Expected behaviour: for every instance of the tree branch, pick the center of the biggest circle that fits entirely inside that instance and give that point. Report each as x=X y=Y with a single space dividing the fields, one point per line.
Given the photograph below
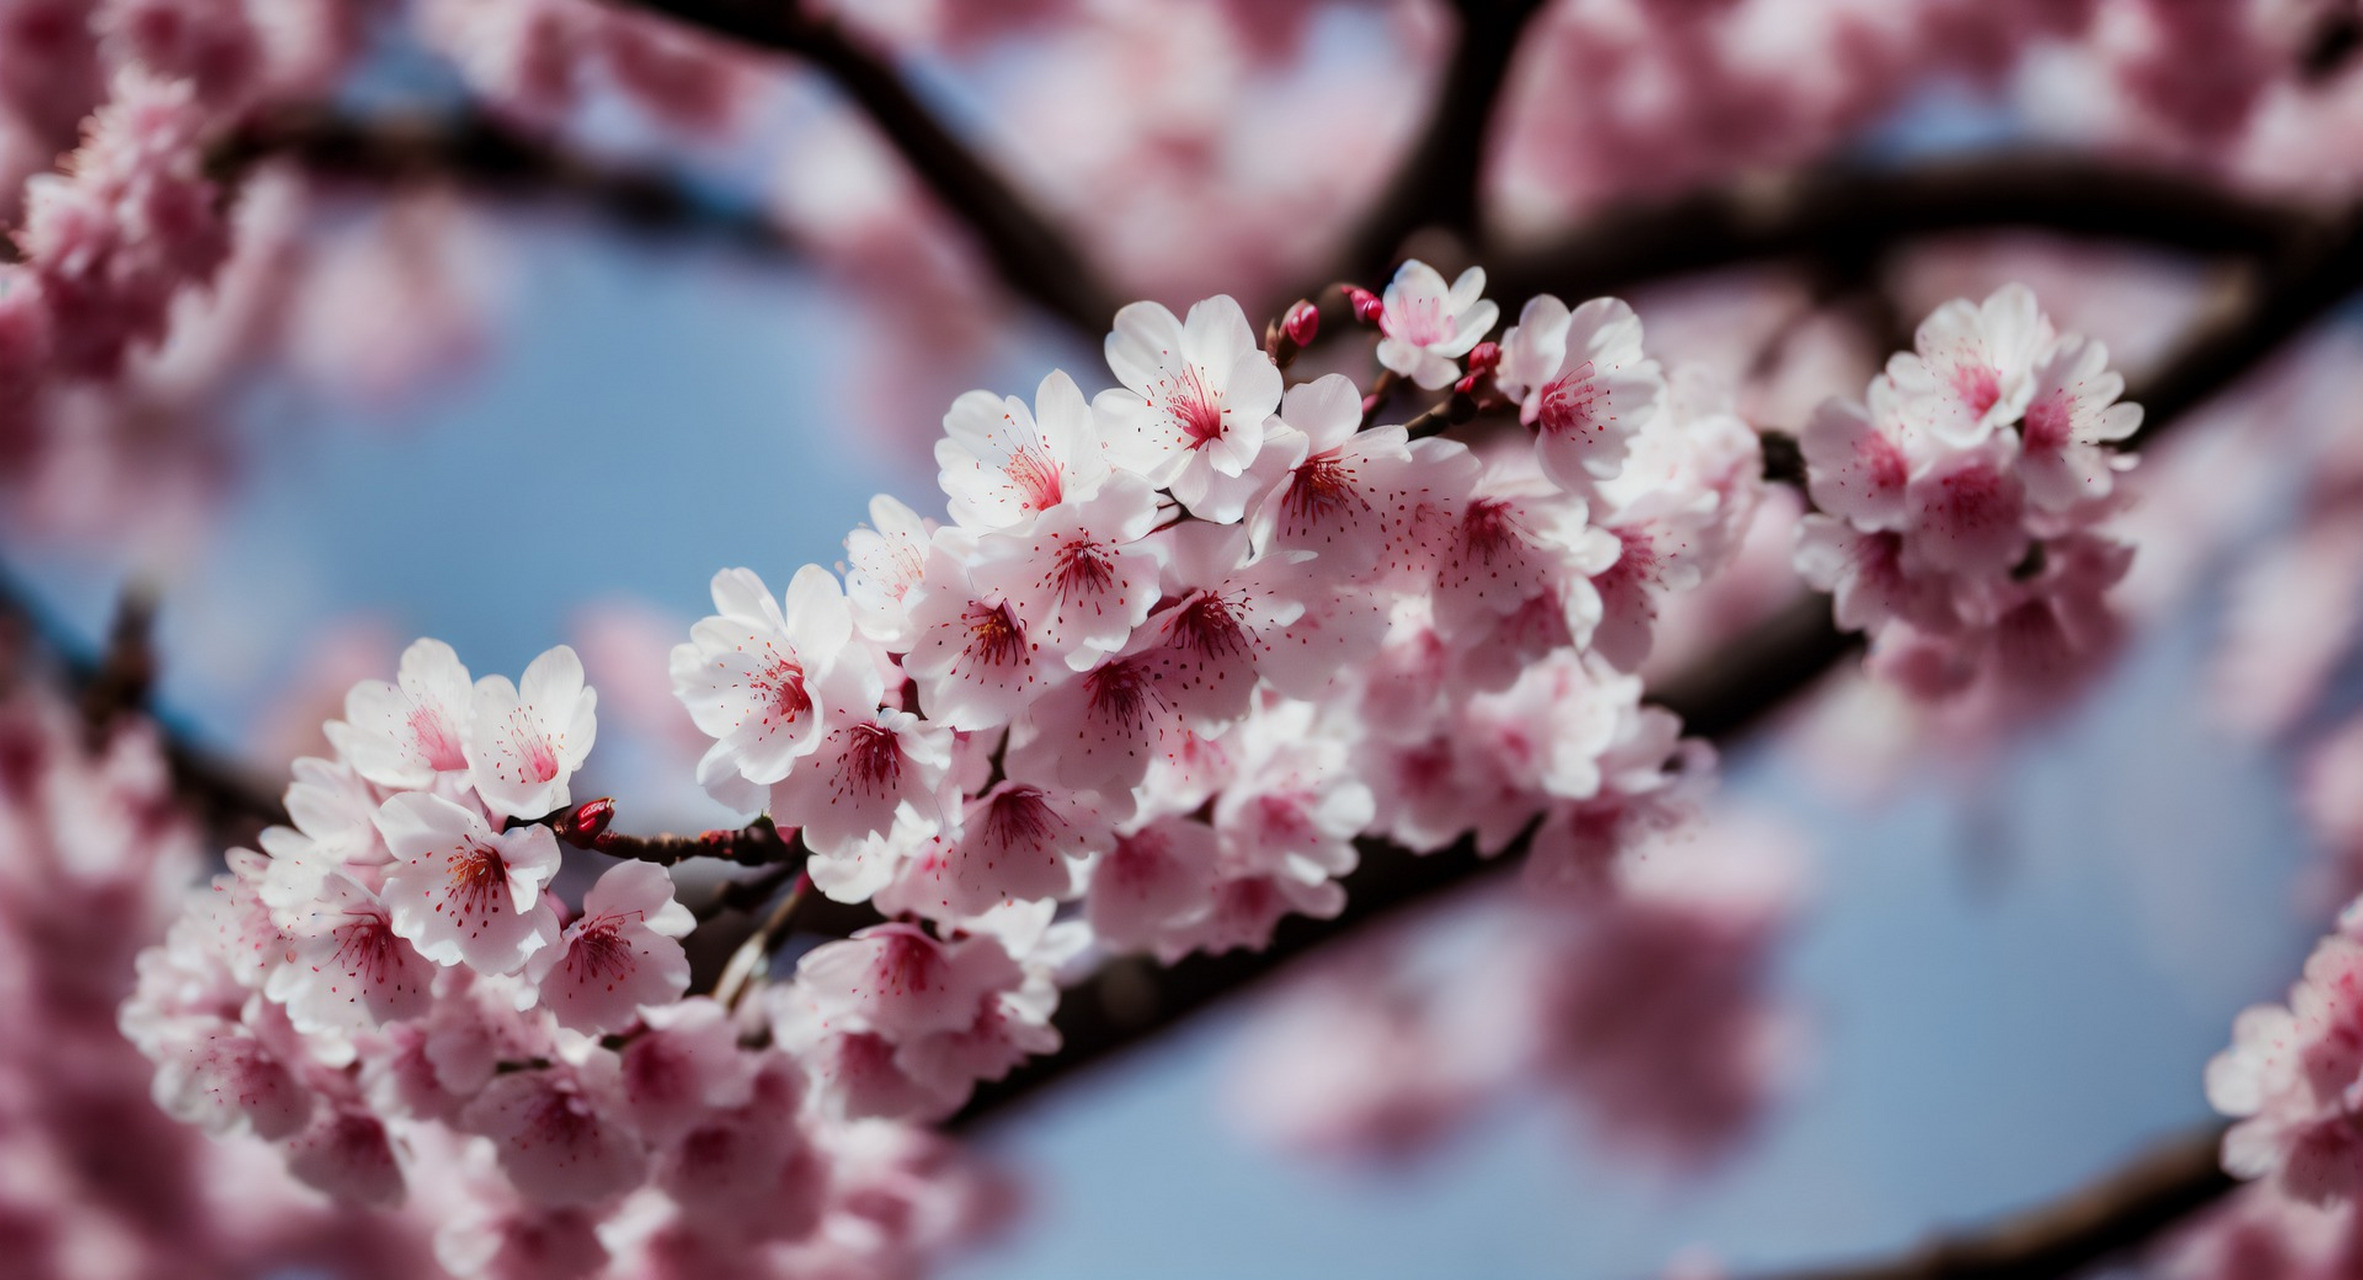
x=2121 y=1212
x=491 y=157
x=1436 y=183
x=1033 y=256
x=1844 y=214
x=1131 y=1000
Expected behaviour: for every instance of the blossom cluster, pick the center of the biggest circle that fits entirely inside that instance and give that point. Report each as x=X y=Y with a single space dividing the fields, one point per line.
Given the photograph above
x=2293 y=1077
x=1182 y=644
x=1958 y=504
x=94 y=859
x=392 y=993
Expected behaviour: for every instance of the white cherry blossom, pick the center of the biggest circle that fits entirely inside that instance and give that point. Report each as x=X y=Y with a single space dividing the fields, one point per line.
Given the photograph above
x=1429 y=326
x=2072 y=417
x=1195 y=396
x=884 y=562
x=752 y=673
x=1003 y=465
x=1970 y=368
x=405 y=733
x=463 y=893
x=526 y=740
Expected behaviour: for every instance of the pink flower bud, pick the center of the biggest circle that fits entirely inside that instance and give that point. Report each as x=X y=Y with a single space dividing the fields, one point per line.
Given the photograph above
x=582 y=825
x=1366 y=304
x=1483 y=357
x=1302 y=323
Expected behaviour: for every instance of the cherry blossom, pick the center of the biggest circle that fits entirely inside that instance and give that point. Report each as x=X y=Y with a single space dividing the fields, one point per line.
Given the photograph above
x=871 y=768
x=974 y=663
x=1429 y=326
x=1004 y=465
x=2072 y=415
x=526 y=740
x=463 y=893
x=405 y=733
x=1079 y=580
x=751 y=675
x=348 y=969
x=1195 y=395
x=1581 y=380
x=1972 y=364
x=1333 y=499
x=560 y=1132
x=886 y=560
x=619 y=954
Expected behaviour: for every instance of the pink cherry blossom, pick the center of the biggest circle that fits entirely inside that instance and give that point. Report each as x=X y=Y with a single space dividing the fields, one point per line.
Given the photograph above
x=1581 y=380
x=1970 y=370
x=1195 y=396
x=897 y=980
x=975 y=664
x=2072 y=415
x=1968 y=510
x=619 y=954
x=2289 y=1076
x=404 y=734
x=1334 y=499
x=1429 y=326
x=560 y=1131
x=1003 y=465
x=1858 y=459
x=1016 y=842
x=346 y=1153
x=1154 y=884
x=1103 y=730
x=525 y=741
x=686 y=1066
x=1080 y=579
x=463 y=893
x=1221 y=621
x=870 y=768
x=749 y=1170
x=885 y=561
x=520 y=1242
x=347 y=969
x=751 y=674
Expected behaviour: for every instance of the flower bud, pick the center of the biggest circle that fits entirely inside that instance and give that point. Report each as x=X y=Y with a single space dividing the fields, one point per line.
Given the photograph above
x=1483 y=358
x=1365 y=303
x=1302 y=323
x=582 y=825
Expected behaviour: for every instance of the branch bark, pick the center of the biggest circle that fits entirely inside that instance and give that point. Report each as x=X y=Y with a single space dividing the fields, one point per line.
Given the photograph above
x=1846 y=214
x=1437 y=181
x=1034 y=257
x=491 y=157
x=2121 y=1212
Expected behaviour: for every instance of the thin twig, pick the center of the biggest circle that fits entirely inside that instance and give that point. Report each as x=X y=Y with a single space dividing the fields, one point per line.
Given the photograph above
x=753 y=956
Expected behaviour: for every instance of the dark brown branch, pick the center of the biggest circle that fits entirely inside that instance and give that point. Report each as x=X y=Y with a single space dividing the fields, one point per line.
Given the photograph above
x=2123 y=1211
x=1436 y=183
x=1849 y=214
x=490 y=157
x=1033 y=257
x=1131 y=1001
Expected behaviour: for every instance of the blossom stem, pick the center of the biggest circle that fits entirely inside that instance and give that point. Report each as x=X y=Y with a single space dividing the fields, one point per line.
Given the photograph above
x=754 y=955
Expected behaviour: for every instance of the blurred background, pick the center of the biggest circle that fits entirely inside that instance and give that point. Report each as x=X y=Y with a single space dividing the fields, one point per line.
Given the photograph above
x=512 y=357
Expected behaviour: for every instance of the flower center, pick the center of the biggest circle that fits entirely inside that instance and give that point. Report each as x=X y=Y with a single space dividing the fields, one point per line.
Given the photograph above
x=994 y=638
x=1197 y=410
x=1037 y=475
x=1570 y=405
